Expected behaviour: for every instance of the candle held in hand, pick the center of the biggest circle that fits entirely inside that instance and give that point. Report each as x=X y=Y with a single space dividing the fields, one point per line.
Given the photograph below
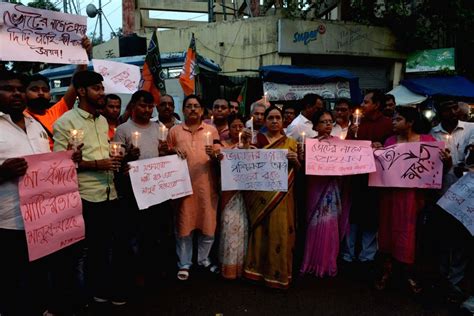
x=135 y=138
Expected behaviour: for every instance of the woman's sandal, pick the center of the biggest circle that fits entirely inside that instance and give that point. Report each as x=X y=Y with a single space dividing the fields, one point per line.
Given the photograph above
x=183 y=274
x=413 y=286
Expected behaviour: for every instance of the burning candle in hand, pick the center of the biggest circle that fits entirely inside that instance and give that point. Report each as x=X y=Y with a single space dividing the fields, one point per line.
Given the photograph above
x=135 y=138
x=208 y=139
x=163 y=133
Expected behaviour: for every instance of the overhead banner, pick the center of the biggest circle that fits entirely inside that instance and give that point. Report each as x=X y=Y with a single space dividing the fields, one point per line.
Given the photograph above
x=29 y=34
x=408 y=165
x=459 y=201
x=254 y=170
x=159 y=179
x=429 y=60
x=50 y=203
x=284 y=92
x=336 y=157
x=118 y=77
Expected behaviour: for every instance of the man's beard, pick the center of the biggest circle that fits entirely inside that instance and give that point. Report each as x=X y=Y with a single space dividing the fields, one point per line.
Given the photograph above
x=39 y=104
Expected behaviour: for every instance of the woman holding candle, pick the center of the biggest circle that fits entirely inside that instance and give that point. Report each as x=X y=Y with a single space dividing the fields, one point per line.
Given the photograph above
x=234 y=224
x=399 y=207
x=327 y=211
x=198 y=143
x=272 y=214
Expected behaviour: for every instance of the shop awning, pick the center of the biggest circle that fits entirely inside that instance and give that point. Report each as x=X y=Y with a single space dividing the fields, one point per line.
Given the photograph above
x=403 y=96
x=293 y=75
x=456 y=86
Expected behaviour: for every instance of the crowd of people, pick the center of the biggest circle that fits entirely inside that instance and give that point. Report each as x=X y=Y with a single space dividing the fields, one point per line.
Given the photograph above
x=317 y=225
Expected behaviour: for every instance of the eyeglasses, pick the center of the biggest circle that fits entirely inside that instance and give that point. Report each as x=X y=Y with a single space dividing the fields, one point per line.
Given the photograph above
x=192 y=106
x=325 y=122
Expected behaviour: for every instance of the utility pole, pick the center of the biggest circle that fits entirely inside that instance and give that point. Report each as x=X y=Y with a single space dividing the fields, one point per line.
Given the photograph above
x=100 y=21
x=65 y=6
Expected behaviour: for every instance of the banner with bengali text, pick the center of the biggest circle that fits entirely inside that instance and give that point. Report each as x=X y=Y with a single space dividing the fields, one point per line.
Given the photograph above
x=50 y=203
x=159 y=179
x=254 y=170
x=30 y=34
x=336 y=157
x=118 y=77
x=408 y=165
x=459 y=201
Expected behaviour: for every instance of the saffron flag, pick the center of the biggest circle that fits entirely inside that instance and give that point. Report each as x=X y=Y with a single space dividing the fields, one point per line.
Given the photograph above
x=188 y=74
x=153 y=77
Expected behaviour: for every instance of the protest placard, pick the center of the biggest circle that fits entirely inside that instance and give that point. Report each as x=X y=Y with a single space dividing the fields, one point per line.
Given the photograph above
x=29 y=34
x=156 y=180
x=118 y=77
x=336 y=157
x=254 y=170
x=408 y=165
x=459 y=201
x=50 y=203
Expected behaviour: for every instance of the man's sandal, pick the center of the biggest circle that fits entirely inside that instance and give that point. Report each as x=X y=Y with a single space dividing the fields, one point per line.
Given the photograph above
x=183 y=274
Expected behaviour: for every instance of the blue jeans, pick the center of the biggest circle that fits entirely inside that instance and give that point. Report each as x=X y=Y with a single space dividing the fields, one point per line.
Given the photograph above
x=369 y=245
x=184 y=250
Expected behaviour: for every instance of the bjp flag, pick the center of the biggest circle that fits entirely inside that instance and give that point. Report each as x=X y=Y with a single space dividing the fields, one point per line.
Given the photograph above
x=188 y=74
x=153 y=77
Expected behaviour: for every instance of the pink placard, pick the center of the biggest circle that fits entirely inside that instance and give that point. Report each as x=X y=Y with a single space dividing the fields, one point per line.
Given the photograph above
x=408 y=165
x=50 y=203
x=336 y=157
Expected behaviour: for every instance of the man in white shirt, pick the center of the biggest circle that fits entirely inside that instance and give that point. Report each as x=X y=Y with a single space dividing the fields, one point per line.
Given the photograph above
x=20 y=135
x=343 y=110
x=311 y=104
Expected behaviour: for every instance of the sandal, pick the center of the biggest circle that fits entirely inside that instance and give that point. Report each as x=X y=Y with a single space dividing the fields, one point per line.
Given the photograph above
x=183 y=274
x=413 y=286
x=381 y=283
x=212 y=268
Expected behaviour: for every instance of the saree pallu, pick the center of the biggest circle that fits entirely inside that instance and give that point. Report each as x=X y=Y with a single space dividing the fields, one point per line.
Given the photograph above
x=234 y=235
x=272 y=230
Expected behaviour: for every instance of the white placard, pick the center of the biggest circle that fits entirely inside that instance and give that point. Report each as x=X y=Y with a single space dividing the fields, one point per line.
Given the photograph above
x=29 y=34
x=159 y=179
x=118 y=77
x=459 y=201
x=254 y=170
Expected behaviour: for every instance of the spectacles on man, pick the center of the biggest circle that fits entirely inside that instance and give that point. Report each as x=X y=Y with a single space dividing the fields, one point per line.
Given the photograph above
x=192 y=106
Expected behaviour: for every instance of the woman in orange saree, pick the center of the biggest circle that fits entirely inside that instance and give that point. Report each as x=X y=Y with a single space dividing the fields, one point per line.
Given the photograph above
x=272 y=215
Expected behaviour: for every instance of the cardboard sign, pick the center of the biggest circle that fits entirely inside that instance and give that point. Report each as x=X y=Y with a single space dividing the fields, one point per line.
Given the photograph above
x=29 y=34
x=118 y=77
x=459 y=201
x=159 y=179
x=408 y=165
x=50 y=203
x=254 y=170
x=336 y=157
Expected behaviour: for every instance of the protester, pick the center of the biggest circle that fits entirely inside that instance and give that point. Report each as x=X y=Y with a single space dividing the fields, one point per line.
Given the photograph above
x=311 y=103
x=256 y=117
x=399 y=208
x=289 y=114
x=38 y=96
x=220 y=113
x=272 y=224
x=343 y=111
x=455 y=244
x=234 y=107
x=234 y=223
x=377 y=128
x=326 y=227
x=111 y=111
x=166 y=115
x=96 y=186
x=390 y=104
x=196 y=213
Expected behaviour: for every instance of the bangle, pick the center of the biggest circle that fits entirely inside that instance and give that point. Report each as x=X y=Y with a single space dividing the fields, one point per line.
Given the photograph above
x=96 y=164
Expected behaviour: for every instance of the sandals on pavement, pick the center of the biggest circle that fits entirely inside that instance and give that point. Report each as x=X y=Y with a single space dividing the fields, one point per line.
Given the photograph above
x=212 y=268
x=183 y=274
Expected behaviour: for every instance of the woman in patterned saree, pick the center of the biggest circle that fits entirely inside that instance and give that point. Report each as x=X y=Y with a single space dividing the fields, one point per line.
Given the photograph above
x=272 y=215
x=234 y=224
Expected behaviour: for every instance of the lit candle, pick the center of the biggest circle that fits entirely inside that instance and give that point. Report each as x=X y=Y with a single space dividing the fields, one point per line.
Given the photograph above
x=208 y=139
x=240 y=140
x=448 y=140
x=265 y=98
x=135 y=138
x=341 y=137
x=212 y=119
x=356 y=121
x=302 y=138
x=163 y=133
x=251 y=129
x=75 y=137
x=115 y=148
